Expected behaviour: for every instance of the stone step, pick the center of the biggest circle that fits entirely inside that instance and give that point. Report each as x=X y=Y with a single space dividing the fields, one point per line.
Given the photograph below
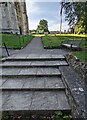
x=35 y=57
x=34 y=101
x=33 y=64
x=32 y=83
x=36 y=71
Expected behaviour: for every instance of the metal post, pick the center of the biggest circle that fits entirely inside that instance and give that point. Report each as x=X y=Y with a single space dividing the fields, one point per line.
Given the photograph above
x=6 y=49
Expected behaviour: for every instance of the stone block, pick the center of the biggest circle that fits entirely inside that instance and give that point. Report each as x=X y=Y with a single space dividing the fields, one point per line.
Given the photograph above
x=44 y=101
x=18 y=101
x=34 y=83
x=28 y=71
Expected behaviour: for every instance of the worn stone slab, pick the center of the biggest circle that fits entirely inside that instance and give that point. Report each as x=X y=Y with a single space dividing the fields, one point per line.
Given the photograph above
x=33 y=63
x=2 y=81
x=13 y=83
x=54 y=82
x=57 y=56
x=38 y=63
x=5 y=98
x=44 y=101
x=10 y=63
x=24 y=56
x=49 y=101
x=28 y=71
x=10 y=71
x=48 y=71
x=36 y=56
x=62 y=63
x=16 y=63
x=62 y=100
x=55 y=63
x=33 y=56
x=33 y=83
x=17 y=101
x=45 y=56
x=35 y=100
x=52 y=62
x=18 y=56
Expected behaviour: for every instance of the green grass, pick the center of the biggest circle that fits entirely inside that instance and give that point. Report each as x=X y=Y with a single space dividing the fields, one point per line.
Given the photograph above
x=50 y=41
x=72 y=35
x=82 y=55
x=53 y=40
x=15 y=41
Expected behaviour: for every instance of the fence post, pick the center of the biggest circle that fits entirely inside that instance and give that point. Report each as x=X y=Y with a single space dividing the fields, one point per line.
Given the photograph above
x=6 y=49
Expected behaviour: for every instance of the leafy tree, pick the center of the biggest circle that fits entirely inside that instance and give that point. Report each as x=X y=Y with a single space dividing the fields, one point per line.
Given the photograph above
x=76 y=15
x=43 y=26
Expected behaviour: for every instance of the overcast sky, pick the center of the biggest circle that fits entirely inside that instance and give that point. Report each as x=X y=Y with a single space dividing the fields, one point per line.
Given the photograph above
x=49 y=11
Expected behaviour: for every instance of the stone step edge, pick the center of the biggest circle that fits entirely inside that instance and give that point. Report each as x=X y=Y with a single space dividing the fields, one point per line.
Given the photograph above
x=6 y=66
x=33 y=89
x=20 y=77
x=40 y=112
x=33 y=59
x=32 y=75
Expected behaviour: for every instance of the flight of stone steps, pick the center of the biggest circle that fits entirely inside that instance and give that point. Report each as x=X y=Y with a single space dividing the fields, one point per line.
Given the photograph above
x=33 y=83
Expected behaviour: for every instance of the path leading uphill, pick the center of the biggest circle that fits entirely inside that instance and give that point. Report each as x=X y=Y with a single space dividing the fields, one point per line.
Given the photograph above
x=32 y=81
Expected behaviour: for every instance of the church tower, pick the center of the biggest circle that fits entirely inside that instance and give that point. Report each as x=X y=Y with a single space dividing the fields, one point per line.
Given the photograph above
x=9 y=22
x=13 y=17
x=22 y=16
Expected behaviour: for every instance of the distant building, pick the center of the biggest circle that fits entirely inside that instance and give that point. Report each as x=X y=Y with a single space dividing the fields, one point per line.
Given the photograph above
x=54 y=32
x=13 y=17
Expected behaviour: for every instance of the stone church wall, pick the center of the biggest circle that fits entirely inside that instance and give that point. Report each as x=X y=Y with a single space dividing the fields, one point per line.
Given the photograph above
x=13 y=17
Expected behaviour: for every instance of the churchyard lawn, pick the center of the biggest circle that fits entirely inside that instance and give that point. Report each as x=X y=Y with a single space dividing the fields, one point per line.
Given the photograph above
x=54 y=40
x=15 y=41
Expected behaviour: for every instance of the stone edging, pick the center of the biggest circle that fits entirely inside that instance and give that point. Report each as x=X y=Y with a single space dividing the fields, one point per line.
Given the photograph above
x=53 y=47
x=80 y=67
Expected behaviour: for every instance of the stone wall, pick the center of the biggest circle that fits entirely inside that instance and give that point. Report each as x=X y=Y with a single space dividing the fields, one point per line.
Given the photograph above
x=80 y=67
x=13 y=17
x=22 y=17
x=9 y=23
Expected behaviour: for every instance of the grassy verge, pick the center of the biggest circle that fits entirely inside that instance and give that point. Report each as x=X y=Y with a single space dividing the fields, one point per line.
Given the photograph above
x=82 y=55
x=53 y=40
x=15 y=41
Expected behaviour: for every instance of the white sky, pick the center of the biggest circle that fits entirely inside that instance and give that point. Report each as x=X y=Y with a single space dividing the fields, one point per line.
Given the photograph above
x=45 y=10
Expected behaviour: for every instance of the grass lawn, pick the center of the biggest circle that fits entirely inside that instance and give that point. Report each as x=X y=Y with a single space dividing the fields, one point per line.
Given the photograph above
x=15 y=41
x=53 y=40
x=50 y=41
x=82 y=55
